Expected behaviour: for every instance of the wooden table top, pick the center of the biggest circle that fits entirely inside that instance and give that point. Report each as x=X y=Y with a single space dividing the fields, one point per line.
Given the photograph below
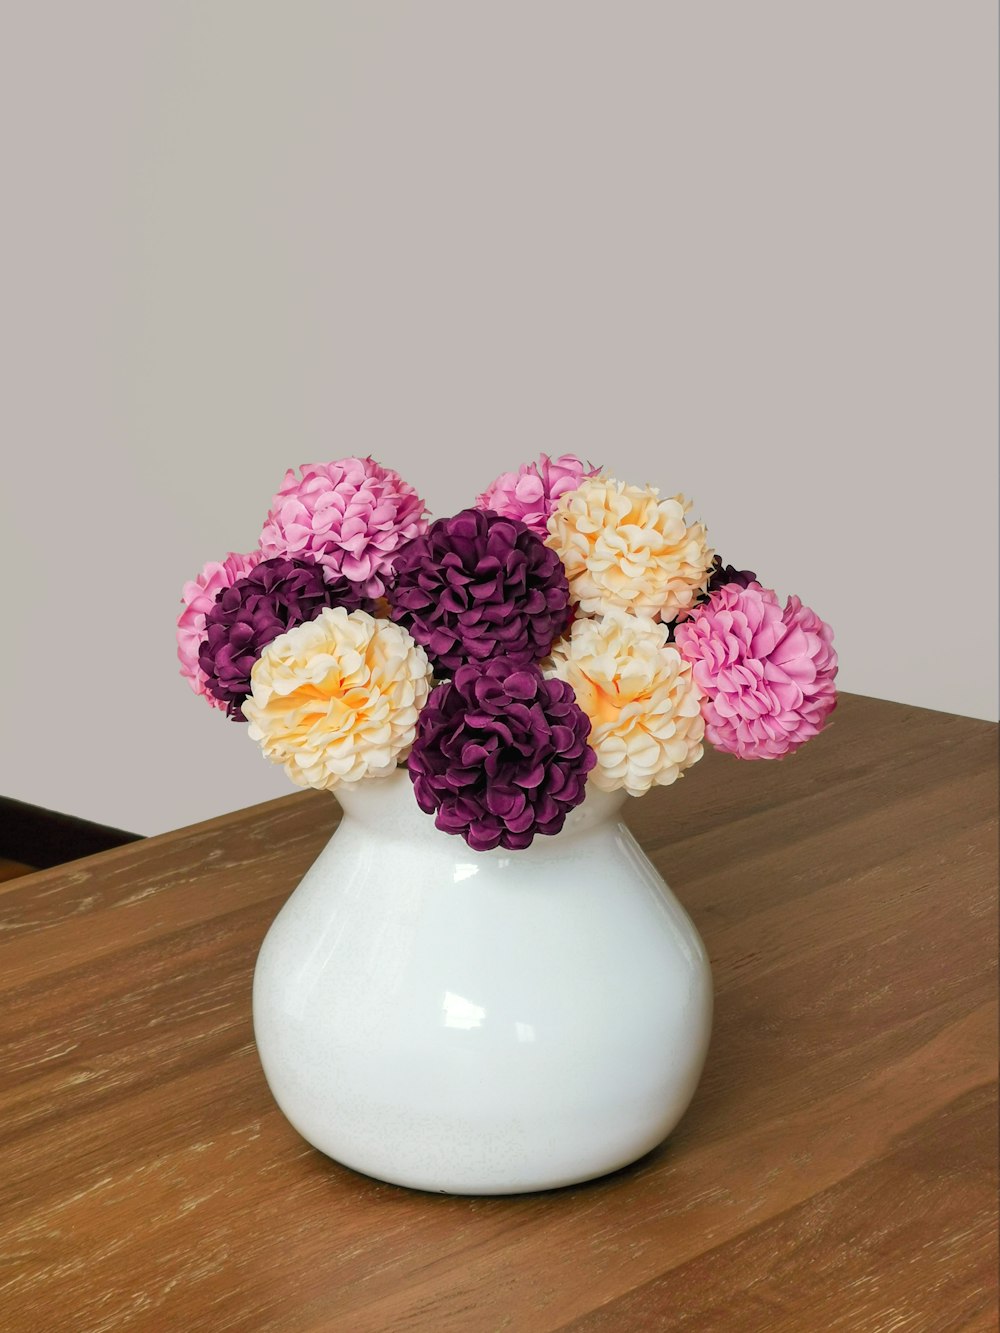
x=836 y=1170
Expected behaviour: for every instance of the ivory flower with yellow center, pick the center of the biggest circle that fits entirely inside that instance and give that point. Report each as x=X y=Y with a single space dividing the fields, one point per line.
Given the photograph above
x=336 y=699
x=641 y=698
x=624 y=546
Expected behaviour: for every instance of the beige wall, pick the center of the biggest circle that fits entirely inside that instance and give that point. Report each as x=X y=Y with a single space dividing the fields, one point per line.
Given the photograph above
x=744 y=250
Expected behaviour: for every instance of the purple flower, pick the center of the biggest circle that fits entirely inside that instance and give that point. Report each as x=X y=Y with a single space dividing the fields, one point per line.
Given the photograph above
x=721 y=574
x=276 y=595
x=478 y=586
x=501 y=754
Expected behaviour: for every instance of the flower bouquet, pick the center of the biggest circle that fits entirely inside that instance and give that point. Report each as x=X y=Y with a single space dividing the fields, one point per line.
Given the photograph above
x=429 y=1008
x=567 y=632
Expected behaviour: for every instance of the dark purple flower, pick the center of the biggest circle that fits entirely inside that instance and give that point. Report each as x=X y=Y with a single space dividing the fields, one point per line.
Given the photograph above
x=276 y=595
x=501 y=754
x=478 y=586
x=721 y=574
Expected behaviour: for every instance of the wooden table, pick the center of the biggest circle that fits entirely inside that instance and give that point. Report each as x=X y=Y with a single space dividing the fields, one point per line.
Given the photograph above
x=837 y=1169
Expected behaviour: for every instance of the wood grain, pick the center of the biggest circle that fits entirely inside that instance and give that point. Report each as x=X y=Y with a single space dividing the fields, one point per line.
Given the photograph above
x=837 y=1169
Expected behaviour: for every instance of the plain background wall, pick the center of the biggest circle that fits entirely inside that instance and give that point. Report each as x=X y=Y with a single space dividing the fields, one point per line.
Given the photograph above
x=744 y=251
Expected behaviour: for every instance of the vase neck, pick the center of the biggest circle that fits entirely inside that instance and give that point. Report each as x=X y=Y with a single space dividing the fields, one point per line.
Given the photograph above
x=389 y=807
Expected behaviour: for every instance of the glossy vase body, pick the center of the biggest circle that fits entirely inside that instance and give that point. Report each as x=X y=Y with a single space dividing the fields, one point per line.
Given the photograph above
x=481 y=1022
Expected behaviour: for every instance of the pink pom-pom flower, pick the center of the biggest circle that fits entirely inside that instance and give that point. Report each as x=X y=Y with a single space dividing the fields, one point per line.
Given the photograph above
x=532 y=492
x=350 y=517
x=766 y=674
x=198 y=597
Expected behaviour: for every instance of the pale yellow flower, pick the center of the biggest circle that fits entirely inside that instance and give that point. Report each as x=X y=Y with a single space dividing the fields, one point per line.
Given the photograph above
x=640 y=696
x=623 y=546
x=336 y=699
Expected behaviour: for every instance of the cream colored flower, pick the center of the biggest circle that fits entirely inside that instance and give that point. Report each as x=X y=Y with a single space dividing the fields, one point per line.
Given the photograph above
x=624 y=546
x=640 y=696
x=336 y=699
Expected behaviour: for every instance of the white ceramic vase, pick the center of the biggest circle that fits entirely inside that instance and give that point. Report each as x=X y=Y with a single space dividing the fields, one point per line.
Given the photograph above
x=481 y=1022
